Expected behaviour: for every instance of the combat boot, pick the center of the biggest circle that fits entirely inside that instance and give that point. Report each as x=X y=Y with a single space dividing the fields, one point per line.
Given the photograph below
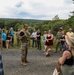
x=23 y=63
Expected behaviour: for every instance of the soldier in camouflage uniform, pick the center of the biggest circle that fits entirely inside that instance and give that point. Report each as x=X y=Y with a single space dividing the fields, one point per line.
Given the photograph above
x=24 y=44
x=58 y=42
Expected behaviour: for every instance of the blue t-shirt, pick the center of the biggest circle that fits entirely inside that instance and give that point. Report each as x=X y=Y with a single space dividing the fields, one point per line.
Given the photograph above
x=12 y=33
x=3 y=35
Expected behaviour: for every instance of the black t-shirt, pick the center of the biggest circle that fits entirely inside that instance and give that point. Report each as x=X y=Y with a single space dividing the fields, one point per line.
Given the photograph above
x=62 y=37
x=69 y=61
x=39 y=37
x=9 y=36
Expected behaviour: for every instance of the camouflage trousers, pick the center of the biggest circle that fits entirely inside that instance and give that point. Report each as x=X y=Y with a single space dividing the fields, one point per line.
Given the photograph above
x=24 y=49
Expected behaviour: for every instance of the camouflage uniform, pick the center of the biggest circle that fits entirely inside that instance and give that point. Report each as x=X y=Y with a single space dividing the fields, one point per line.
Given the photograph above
x=25 y=45
x=58 y=43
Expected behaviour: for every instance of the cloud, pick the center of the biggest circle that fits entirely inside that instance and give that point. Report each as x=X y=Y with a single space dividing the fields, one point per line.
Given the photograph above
x=68 y=1
x=19 y=4
x=35 y=9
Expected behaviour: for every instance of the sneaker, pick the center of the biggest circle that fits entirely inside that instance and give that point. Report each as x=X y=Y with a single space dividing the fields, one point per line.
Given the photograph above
x=46 y=54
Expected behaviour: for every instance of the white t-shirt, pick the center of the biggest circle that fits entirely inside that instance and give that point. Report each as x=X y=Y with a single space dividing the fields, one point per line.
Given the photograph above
x=34 y=34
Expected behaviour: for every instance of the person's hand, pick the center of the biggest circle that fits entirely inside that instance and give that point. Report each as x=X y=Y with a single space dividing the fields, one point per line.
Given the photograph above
x=59 y=59
x=38 y=35
x=47 y=40
x=25 y=35
x=58 y=67
x=35 y=37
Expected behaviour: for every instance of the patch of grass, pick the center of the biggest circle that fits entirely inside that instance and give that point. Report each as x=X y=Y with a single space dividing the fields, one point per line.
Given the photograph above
x=42 y=44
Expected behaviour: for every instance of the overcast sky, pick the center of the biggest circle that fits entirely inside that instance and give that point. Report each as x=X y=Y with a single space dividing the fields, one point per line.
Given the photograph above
x=35 y=9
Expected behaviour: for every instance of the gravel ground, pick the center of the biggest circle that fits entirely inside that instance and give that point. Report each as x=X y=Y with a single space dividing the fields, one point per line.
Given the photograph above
x=39 y=64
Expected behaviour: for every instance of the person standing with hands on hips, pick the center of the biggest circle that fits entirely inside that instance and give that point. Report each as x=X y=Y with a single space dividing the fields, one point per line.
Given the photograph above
x=24 y=37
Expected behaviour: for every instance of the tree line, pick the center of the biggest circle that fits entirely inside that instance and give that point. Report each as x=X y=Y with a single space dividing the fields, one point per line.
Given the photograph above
x=44 y=25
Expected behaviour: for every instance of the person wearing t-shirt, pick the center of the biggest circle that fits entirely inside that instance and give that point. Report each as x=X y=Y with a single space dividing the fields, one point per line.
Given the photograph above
x=70 y=33
x=39 y=39
x=34 y=39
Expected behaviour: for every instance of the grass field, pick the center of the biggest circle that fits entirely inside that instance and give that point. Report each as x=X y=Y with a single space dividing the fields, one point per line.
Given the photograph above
x=42 y=45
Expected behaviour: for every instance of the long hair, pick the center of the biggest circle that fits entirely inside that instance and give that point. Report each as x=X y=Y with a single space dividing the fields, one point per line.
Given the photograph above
x=70 y=42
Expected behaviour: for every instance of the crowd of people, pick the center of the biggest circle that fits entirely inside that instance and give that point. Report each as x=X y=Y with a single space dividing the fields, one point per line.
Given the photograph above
x=66 y=61
x=7 y=38
x=64 y=43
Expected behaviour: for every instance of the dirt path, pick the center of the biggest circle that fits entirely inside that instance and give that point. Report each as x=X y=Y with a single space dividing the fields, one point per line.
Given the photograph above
x=39 y=64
